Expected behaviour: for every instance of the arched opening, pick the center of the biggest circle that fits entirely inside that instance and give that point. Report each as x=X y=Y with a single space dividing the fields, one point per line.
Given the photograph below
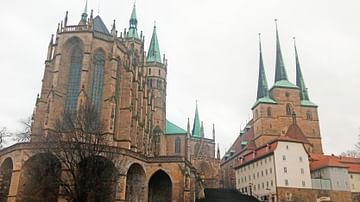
x=160 y=187
x=135 y=184
x=97 y=179
x=5 y=178
x=39 y=180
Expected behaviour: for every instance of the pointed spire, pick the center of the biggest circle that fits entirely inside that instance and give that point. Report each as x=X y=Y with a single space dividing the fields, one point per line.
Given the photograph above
x=196 y=131
x=263 y=90
x=218 y=152
x=66 y=19
x=280 y=72
x=84 y=14
x=188 y=126
x=133 y=25
x=299 y=77
x=202 y=130
x=213 y=132
x=154 y=50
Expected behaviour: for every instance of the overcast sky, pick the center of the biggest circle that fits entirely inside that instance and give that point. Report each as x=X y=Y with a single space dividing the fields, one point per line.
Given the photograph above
x=212 y=51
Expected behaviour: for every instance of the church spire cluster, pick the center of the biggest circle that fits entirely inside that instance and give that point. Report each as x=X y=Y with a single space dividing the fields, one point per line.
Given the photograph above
x=281 y=79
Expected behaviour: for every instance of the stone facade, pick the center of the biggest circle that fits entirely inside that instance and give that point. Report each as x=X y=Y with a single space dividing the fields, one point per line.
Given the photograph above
x=85 y=64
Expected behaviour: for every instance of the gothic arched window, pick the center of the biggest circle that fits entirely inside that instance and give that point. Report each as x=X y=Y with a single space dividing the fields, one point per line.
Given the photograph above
x=73 y=80
x=288 y=109
x=97 y=78
x=177 y=145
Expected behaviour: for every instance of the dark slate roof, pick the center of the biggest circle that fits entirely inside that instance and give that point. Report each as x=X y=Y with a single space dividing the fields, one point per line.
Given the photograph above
x=99 y=26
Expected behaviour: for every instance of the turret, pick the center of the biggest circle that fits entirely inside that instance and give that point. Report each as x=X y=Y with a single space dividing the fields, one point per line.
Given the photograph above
x=132 y=33
x=156 y=80
x=84 y=15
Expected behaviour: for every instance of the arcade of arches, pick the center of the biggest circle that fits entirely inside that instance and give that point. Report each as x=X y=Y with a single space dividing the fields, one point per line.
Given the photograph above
x=40 y=178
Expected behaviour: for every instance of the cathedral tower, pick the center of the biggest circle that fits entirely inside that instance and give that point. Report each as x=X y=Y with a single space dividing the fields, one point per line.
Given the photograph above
x=273 y=109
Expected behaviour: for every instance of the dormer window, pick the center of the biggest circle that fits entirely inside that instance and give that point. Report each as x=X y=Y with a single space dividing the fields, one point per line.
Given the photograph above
x=288 y=109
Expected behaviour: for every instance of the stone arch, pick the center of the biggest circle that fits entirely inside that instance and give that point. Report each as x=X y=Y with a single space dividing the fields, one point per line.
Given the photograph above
x=72 y=42
x=39 y=180
x=97 y=179
x=160 y=187
x=135 y=183
x=6 y=170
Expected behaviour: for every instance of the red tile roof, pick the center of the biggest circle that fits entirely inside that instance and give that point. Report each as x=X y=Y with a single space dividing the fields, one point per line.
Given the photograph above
x=318 y=161
x=294 y=132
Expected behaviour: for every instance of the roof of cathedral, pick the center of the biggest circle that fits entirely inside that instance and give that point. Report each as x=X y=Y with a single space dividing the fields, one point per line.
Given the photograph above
x=99 y=26
x=153 y=54
x=172 y=129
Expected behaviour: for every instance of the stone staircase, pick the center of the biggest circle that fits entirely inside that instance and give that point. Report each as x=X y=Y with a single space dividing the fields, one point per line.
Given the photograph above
x=226 y=195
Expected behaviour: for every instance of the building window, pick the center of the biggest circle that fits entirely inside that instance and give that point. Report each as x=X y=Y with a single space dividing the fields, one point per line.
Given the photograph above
x=262 y=173
x=266 y=172
x=284 y=158
x=288 y=109
x=149 y=71
x=308 y=115
x=302 y=170
x=351 y=176
x=285 y=169
x=270 y=170
x=300 y=159
x=254 y=176
x=97 y=78
x=159 y=72
x=73 y=80
x=267 y=184
x=286 y=182
x=272 y=183
x=303 y=183
x=269 y=111
x=257 y=174
x=177 y=145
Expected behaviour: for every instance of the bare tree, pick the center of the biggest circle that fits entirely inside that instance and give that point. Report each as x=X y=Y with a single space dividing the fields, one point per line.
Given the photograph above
x=24 y=134
x=353 y=152
x=79 y=143
x=4 y=133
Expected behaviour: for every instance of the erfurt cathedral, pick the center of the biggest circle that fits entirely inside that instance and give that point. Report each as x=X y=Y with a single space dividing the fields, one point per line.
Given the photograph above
x=99 y=129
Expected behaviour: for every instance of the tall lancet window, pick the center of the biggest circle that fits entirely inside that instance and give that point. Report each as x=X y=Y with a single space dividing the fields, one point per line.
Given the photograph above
x=177 y=145
x=74 y=80
x=97 y=79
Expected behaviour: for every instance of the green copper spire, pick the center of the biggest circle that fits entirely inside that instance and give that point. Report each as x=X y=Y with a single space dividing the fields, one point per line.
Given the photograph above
x=84 y=14
x=263 y=90
x=196 y=131
x=133 y=25
x=153 y=54
x=280 y=73
x=304 y=96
